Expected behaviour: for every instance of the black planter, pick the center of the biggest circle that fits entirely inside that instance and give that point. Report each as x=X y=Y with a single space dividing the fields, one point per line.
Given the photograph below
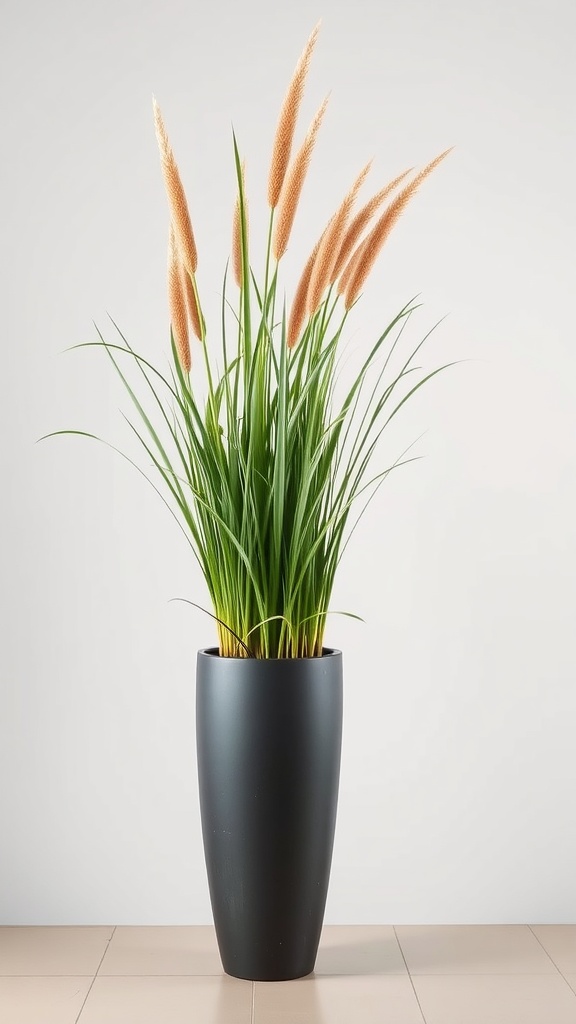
x=268 y=738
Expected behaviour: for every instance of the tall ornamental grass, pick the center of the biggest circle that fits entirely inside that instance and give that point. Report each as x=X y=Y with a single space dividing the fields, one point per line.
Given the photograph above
x=269 y=473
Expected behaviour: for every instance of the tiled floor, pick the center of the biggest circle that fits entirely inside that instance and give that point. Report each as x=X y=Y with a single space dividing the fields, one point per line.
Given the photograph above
x=445 y=974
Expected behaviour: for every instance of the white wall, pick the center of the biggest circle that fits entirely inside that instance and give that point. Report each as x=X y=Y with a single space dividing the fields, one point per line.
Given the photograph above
x=457 y=792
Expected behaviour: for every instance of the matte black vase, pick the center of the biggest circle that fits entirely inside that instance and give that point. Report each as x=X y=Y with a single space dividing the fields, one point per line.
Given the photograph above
x=268 y=739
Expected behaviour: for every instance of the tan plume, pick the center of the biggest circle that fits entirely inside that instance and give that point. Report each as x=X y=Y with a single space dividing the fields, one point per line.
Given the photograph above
x=237 y=234
x=369 y=249
x=298 y=310
x=177 y=304
x=330 y=244
x=357 y=225
x=350 y=267
x=179 y=213
x=292 y=187
x=284 y=136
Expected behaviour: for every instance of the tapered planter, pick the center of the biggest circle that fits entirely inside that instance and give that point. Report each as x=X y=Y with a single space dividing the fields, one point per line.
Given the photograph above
x=268 y=740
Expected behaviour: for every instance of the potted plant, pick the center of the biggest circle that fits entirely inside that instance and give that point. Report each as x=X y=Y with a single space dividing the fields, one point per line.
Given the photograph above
x=266 y=475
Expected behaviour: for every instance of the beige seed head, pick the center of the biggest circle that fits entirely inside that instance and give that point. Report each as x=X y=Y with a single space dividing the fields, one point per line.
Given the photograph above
x=237 y=234
x=298 y=311
x=287 y=122
x=370 y=248
x=357 y=225
x=177 y=304
x=350 y=267
x=331 y=241
x=292 y=187
x=179 y=212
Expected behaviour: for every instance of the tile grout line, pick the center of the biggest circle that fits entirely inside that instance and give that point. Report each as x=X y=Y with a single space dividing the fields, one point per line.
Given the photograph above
x=95 y=975
x=408 y=972
x=253 y=1002
x=485 y=974
x=550 y=959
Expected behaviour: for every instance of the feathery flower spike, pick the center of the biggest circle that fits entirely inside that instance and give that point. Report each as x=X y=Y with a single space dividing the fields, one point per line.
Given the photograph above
x=292 y=187
x=284 y=136
x=331 y=241
x=359 y=222
x=237 y=235
x=370 y=248
x=179 y=212
x=298 y=310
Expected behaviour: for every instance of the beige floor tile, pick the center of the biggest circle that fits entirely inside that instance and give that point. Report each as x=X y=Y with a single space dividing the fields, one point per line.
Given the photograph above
x=333 y=1000
x=42 y=1000
x=571 y=979
x=472 y=949
x=559 y=941
x=163 y=950
x=52 y=950
x=359 y=949
x=497 y=999
x=142 y=1000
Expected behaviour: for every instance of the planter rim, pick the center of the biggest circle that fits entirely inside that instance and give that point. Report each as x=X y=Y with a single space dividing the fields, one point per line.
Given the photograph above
x=212 y=652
